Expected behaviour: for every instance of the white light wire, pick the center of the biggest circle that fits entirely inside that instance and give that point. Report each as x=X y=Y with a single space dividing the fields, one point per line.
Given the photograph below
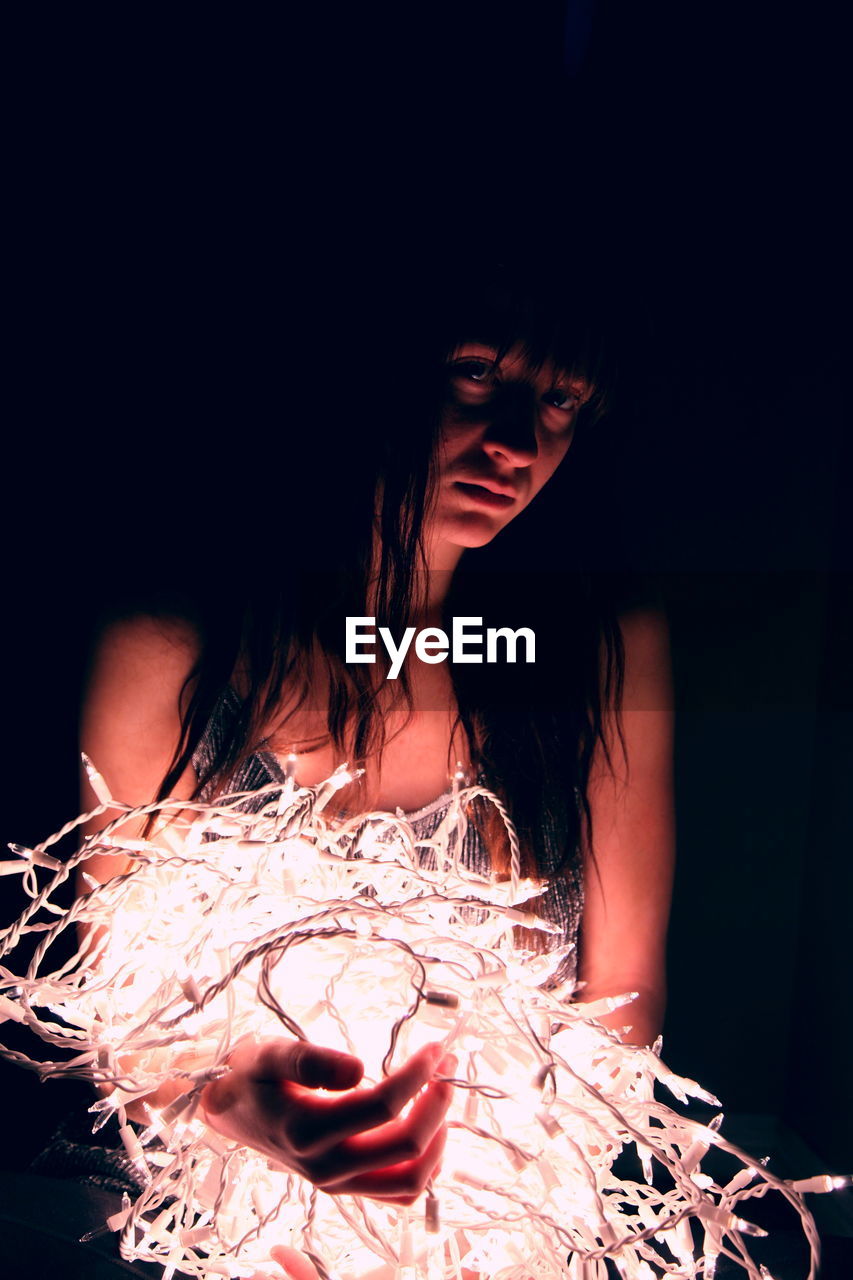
x=287 y=921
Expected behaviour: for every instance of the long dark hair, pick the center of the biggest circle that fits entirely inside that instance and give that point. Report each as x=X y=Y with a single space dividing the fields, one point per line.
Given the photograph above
x=532 y=730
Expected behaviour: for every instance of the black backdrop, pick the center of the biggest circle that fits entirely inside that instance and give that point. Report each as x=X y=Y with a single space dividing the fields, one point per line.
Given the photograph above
x=169 y=186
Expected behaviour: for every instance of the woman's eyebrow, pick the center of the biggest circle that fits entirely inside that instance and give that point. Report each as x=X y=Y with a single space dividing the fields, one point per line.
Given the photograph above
x=493 y=348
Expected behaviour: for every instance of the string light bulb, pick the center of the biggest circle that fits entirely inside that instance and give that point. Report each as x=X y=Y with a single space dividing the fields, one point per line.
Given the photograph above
x=355 y=934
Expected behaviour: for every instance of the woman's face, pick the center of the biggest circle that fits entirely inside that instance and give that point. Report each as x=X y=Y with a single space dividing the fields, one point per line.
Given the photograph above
x=506 y=427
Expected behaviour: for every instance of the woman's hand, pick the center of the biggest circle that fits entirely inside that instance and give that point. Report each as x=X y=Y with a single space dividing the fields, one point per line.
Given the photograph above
x=293 y=1263
x=353 y=1144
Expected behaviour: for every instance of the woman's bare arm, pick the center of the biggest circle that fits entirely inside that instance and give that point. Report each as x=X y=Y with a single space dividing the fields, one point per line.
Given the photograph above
x=356 y=1141
x=130 y=727
x=131 y=719
x=629 y=881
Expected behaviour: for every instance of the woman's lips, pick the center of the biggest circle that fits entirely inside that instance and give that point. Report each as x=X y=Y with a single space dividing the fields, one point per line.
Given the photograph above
x=487 y=497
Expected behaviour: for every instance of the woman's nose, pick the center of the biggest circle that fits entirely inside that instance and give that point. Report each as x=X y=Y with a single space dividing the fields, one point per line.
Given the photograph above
x=511 y=433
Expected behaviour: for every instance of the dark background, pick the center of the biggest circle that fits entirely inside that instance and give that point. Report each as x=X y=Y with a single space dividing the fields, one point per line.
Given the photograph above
x=174 y=189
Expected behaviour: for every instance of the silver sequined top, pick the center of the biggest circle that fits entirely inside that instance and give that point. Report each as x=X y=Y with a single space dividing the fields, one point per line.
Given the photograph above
x=562 y=902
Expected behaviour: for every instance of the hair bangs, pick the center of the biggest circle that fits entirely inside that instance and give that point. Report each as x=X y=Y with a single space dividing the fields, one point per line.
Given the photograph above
x=551 y=316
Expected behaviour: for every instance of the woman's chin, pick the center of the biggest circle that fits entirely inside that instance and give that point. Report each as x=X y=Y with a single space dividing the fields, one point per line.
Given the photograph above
x=472 y=530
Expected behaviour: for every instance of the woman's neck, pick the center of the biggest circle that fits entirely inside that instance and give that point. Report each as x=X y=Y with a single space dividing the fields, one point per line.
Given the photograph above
x=442 y=559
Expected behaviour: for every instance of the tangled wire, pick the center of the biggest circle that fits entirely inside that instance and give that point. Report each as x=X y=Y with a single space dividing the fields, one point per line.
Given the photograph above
x=261 y=916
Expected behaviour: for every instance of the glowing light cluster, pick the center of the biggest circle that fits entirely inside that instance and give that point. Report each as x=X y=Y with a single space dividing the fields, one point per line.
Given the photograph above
x=356 y=935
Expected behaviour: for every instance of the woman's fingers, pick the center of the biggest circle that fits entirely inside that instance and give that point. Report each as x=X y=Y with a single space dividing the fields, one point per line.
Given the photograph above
x=394 y=1143
x=309 y=1065
x=354 y=1142
x=398 y=1184
x=268 y=1065
x=294 y=1263
x=324 y=1122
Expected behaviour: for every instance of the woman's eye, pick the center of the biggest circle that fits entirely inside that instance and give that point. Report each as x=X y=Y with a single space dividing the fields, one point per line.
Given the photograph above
x=563 y=398
x=474 y=370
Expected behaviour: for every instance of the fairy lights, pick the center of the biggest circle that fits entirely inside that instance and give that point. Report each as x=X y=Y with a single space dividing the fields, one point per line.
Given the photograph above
x=354 y=934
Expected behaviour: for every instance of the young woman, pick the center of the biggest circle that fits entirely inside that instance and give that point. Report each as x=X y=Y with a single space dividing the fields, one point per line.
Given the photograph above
x=489 y=386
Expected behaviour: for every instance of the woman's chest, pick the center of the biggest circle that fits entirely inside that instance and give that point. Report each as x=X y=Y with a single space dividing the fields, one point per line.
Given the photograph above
x=416 y=765
x=422 y=749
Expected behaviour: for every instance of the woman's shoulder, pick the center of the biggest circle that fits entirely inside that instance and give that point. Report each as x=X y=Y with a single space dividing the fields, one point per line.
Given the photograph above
x=143 y=656
x=140 y=672
x=149 y=635
x=645 y=638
